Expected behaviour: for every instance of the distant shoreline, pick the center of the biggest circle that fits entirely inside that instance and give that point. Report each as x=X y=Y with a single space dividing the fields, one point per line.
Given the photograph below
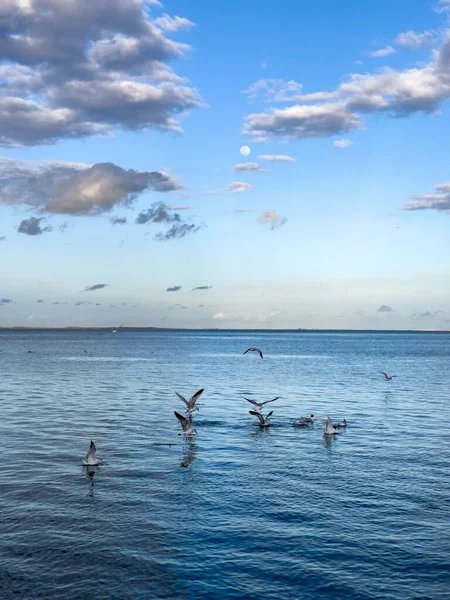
x=297 y=330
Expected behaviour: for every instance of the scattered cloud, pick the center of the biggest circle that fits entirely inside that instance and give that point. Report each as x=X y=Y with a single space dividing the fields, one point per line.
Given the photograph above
x=273 y=90
x=63 y=227
x=175 y=288
x=443 y=6
x=179 y=207
x=248 y=166
x=201 y=306
x=276 y=158
x=437 y=314
x=382 y=52
x=241 y=210
x=439 y=200
x=94 y=288
x=178 y=231
x=32 y=226
x=55 y=303
x=344 y=143
x=395 y=93
x=202 y=287
x=74 y=188
x=270 y=216
x=414 y=40
x=238 y=186
x=384 y=309
x=359 y=62
x=157 y=213
x=6 y=301
x=72 y=71
x=2 y=238
x=173 y=24
x=118 y=220
x=40 y=301
x=80 y=303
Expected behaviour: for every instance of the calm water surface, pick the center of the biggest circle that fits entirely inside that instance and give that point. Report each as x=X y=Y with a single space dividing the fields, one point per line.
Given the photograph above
x=238 y=512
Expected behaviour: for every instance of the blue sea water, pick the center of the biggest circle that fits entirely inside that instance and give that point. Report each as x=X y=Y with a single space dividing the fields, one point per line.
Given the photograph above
x=238 y=512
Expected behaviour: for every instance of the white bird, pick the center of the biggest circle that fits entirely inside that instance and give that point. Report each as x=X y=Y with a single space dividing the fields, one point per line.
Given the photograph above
x=263 y=421
x=186 y=424
x=308 y=419
x=386 y=376
x=328 y=427
x=302 y=422
x=191 y=404
x=115 y=330
x=254 y=350
x=341 y=424
x=90 y=456
x=259 y=405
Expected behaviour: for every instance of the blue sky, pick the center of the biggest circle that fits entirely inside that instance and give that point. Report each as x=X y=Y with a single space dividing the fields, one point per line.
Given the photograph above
x=352 y=235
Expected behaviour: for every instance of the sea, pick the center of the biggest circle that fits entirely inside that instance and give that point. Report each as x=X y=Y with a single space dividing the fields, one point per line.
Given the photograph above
x=236 y=512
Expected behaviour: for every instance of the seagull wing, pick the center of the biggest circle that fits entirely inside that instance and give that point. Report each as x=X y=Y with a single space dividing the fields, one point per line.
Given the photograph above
x=259 y=352
x=182 y=398
x=271 y=413
x=385 y=374
x=248 y=350
x=251 y=401
x=184 y=422
x=92 y=451
x=267 y=401
x=322 y=420
x=256 y=414
x=195 y=397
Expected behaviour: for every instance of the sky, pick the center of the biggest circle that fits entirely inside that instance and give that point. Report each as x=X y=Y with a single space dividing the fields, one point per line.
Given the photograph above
x=124 y=196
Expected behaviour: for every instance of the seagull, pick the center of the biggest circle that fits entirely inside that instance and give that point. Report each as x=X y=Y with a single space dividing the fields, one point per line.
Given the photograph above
x=90 y=459
x=254 y=350
x=302 y=422
x=191 y=406
x=115 y=330
x=186 y=424
x=328 y=427
x=341 y=424
x=259 y=405
x=263 y=421
x=308 y=419
x=386 y=376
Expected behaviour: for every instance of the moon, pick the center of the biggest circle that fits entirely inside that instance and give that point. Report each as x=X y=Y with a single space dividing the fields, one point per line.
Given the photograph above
x=245 y=150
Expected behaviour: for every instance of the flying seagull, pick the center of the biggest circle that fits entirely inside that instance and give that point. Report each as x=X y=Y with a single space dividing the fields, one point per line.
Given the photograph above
x=386 y=376
x=259 y=405
x=186 y=424
x=328 y=427
x=254 y=350
x=115 y=330
x=263 y=421
x=191 y=405
x=90 y=459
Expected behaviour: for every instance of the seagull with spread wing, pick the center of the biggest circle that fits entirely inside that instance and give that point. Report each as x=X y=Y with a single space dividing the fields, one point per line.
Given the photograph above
x=254 y=350
x=90 y=459
x=186 y=424
x=191 y=404
x=328 y=427
x=263 y=421
x=258 y=405
x=386 y=376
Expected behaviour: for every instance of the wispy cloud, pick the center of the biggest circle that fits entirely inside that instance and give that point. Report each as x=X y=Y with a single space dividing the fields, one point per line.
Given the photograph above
x=414 y=40
x=118 y=220
x=270 y=216
x=427 y=314
x=202 y=287
x=276 y=158
x=175 y=288
x=252 y=167
x=439 y=200
x=6 y=301
x=384 y=309
x=273 y=90
x=179 y=207
x=178 y=231
x=382 y=52
x=344 y=143
x=94 y=288
x=238 y=186
x=173 y=24
x=32 y=226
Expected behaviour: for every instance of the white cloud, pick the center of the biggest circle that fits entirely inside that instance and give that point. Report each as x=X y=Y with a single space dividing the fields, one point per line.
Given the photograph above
x=273 y=90
x=439 y=200
x=344 y=143
x=276 y=158
x=382 y=52
x=173 y=24
x=270 y=216
x=415 y=40
x=248 y=166
x=238 y=186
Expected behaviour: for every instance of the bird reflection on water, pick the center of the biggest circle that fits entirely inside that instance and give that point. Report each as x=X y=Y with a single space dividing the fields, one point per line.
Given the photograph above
x=189 y=453
x=90 y=472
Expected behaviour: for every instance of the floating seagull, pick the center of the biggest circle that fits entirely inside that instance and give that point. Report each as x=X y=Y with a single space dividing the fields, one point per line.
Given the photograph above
x=308 y=419
x=386 y=376
x=254 y=350
x=341 y=424
x=302 y=423
x=191 y=406
x=90 y=459
x=259 y=405
x=186 y=424
x=263 y=421
x=328 y=427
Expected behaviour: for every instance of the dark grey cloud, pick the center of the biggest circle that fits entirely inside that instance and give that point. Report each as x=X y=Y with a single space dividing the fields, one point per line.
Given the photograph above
x=94 y=288
x=202 y=287
x=32 y=226
x=75 y=69
x=118 y=220
x=177 y=232
x=39 y=301
x=2 y=238
x=55 y=303
x=394 y=93
x=157 y=213
x=384 y=308
x=76 y=188
x=80 y=303
x=201 y=306
x=6 y=301
x=174 y=288
x=97 y=304
x=63 y=227
x=438 y=200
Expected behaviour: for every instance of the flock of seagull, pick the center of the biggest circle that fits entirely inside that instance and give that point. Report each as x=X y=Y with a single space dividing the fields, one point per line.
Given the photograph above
x=329 y=428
